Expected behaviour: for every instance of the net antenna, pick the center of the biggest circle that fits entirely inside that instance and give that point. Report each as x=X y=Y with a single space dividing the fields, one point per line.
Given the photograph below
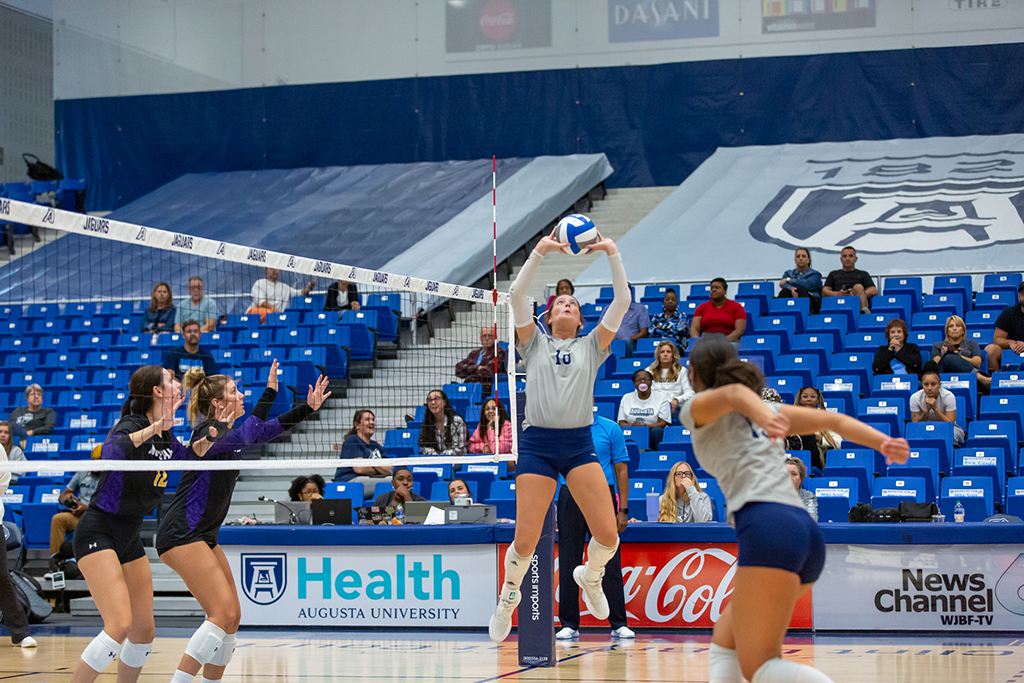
x=510 y=357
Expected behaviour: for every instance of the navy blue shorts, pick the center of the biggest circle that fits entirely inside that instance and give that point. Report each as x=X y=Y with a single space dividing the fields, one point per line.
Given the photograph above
x=782 y=537
x=550 y=452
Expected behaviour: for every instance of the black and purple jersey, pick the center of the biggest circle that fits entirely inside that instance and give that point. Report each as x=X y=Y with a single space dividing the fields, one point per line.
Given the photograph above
x=135 y=493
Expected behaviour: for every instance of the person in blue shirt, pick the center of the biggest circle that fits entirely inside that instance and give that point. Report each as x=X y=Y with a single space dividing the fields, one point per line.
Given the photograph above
x=610 y=447
x=635 y=324
x=802 y=281
x=178 y=360
x=359 y=444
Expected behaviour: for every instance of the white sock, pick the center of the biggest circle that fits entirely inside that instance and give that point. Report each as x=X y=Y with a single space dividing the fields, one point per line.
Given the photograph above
x=210 y=680
x=182 y=677
x=723 y=667
x=781 y=671
x=597 y=557
x=515 y=568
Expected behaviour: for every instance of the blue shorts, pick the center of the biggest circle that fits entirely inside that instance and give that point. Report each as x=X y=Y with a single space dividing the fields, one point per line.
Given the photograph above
x=782 y=537
x=550 y=452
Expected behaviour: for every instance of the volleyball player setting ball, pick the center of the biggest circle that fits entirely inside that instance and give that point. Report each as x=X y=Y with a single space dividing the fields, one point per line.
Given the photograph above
x=738 y=439
x=560 y=373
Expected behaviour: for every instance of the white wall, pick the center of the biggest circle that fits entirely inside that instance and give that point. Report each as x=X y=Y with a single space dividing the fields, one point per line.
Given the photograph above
x=133 y=47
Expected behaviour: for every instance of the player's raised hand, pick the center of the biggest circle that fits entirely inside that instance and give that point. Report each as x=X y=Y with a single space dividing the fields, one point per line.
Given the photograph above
x=316 y=396
x=605 y=244
x=272 y=376
x=895 y=450
x=549 y=243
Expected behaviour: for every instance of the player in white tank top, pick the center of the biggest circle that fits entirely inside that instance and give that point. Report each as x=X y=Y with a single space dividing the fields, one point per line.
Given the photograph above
x=739 y=438
x=561 y=369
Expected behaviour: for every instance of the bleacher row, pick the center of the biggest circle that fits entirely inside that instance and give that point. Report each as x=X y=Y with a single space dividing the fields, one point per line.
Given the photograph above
x=67 y=194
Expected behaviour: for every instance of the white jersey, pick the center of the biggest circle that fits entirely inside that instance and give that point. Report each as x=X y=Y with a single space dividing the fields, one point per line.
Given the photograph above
x=738 y=453
x=560 y=375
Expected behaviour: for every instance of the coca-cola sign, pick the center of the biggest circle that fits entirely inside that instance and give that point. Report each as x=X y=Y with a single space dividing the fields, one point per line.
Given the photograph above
x=676 y=585
x=490 y=25
x=498 y=20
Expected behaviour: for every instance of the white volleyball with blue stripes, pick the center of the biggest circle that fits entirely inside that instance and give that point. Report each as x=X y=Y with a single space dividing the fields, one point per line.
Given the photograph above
x=578 y=230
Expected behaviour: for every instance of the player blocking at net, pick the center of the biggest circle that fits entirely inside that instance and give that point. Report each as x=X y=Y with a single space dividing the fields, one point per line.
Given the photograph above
x=560 y=372
x=187 y=538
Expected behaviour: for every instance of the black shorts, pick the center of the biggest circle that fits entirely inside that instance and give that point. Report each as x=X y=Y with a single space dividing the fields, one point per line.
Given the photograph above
x=174 y=532
x=782 y=537
x=99 y=530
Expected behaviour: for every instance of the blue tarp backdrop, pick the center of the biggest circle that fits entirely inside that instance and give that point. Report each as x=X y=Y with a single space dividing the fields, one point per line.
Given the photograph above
x=656 y=123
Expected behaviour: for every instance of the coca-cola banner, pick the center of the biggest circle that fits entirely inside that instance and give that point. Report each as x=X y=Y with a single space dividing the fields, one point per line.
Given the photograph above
x=489 y=25
x=676 y=585
x=961 y=588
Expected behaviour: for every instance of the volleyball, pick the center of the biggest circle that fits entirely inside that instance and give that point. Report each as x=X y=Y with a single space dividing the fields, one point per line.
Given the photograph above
x=578 y=230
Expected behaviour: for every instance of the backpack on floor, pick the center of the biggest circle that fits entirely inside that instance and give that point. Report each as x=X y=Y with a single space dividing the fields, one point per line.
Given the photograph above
x=20 y=599
x=39 y=607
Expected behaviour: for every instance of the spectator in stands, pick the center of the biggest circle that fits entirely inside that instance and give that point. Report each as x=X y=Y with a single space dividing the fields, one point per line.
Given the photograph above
x=307 y=488
x=848 y=281
x=34 y=420
x=933 y=403
x=76 y=497
x=478 y=366
x=342 y=290
x=957 y=353
x=495 y=423
x=634 y=326
x=897 y=356
x=645 y=407
x=443 y=431
x=189 y=354
x=13 y=451
x=1009 y=333
x=402 y=483
x=197 y=307
x=798 y=472
x=720 y=315
x=359 y=444
x=683 y=499
x=671 y=323
x=160 y=315
x=802 y=281
x=818 y=443
x=272 y=296
x=670 y=377
x=563 y=286
x=457 y=487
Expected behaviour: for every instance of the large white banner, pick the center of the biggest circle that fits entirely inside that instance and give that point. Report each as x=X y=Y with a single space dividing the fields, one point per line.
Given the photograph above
x=393 y=586
x=933 y=588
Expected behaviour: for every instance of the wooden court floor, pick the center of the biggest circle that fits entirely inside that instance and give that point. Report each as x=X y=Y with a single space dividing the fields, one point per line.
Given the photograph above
x=321 y=656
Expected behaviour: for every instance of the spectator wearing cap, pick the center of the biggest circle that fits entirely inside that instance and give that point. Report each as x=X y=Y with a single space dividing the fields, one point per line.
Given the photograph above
x=196 y=307
x=635 y=324
x=33 y=420
x=848 y=281
x=1009 y=333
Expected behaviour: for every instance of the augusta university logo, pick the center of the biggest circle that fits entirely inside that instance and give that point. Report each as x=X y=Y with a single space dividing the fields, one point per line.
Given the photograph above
x=916 y=204
x=264 y=576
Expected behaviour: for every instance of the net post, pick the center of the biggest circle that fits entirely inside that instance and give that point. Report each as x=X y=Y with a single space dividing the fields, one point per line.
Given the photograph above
x=536 y=623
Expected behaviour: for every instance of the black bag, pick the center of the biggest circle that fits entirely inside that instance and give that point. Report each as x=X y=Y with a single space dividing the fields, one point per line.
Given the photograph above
x=37 y=170
x=39 y=607
x=861 y=512
x=885 y=515
x=20 y=599
x=912 y=511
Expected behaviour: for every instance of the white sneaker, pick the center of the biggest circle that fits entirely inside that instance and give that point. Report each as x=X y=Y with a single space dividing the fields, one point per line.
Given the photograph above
x=501 y=621
x=593 y=595
x=28 y=642
x=623 y=632
x=567 y=634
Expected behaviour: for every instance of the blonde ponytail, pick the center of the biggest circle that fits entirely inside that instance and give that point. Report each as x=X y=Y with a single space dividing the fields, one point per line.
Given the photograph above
x=203 y=390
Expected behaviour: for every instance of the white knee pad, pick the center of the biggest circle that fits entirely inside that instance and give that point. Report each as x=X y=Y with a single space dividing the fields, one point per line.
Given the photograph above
x=205 y=643
x=597 y=557
x=101 y=652
x=227 y=650
x=781 y=671
x=135 y=655
x=723 y=667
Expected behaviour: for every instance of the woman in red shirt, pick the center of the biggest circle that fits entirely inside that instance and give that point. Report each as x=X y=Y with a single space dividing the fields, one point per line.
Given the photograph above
x=719 y=315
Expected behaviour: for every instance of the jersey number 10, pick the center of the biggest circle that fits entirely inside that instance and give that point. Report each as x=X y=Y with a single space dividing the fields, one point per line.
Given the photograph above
x=563 y=358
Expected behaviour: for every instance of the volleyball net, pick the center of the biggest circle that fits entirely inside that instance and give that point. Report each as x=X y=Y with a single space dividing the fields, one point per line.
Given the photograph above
x=87 y=309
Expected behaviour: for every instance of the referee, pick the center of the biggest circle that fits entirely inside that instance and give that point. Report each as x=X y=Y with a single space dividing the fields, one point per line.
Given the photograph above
x=610 y=447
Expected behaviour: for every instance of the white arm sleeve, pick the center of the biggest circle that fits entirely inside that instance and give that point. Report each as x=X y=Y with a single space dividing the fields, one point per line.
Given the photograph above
x=522 y=315
x=616 y=310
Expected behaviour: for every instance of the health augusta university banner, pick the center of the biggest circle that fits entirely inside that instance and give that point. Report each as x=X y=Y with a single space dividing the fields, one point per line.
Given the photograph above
x=933 y=588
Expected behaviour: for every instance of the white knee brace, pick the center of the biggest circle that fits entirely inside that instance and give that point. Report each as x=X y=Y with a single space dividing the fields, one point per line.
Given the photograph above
x=205 y=643
x=227 y=650
x=135 y=655
x=101 y=652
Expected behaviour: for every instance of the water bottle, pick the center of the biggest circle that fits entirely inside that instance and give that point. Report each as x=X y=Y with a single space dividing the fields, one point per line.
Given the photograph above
x=958 y=512
x=400 y=515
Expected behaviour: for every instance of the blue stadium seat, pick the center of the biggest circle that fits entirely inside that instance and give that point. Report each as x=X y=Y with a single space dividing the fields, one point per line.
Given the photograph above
x=844 y=387
x=762 y=291
x=891 y=491
x=1003 y=407
x=655 y=464
x=1014 y=496
x=884 y=386
x=503 y=497
x=361 y=333
x=804 y=366
x=982 y=337
x=910 y=286
x=995 y=433
x=1007 y=383
x=784 y=327
x=439 y=490
x=975 y=494
x=612 y=390
x=924 y=463
x=44 y=327
x=58 y=344
x=821 y=345
x=216 y=340
x=787 y=385
x=624 y=368
x=401 y=442
x=260 y=339
x=85 y=443
x=875 y=321
x=111 y=399
x=994 y=302
x=1001 y=282
x=637 y=435
x=76 y=400
x=857 y=463
x=699 y=292
x=965 y=385
x=109 y=379
x=99 y=360
x=43 y=447
x=857 y=363
x=41 y=312
x=960 y=285
x=898 y=304
x=752 y=307
x=287 y=320
x=800 y=309
x=890 y=409
x=137 y=358
x=938 y=435
x=353 y=490
x=847 y=306
x=929 y=320
x=80 y=326
x=837 y=326
x=240 y=323
x=948 y=303
x=126 y=341
x=36 y=520
x=767 y=347
x=168 y=341
x=836 y=495
x=864 y=341
x=982 y=462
